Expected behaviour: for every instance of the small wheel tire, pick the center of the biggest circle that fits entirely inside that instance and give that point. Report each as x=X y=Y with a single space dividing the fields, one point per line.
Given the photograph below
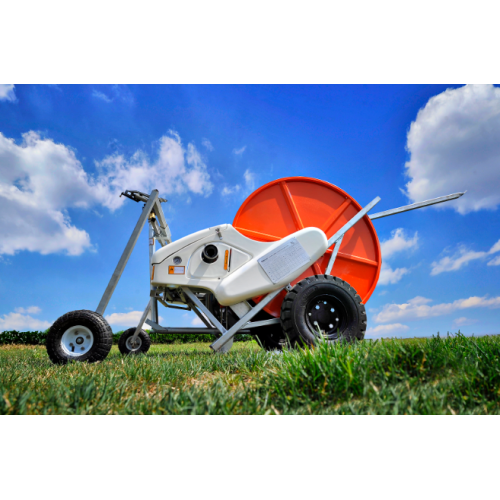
x=143 y=342
x=79 y=336
x=323 y=307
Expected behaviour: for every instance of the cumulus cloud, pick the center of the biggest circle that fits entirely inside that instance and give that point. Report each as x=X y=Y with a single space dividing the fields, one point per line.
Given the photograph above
x=197 y=322
x=207 y=144
x=40 y=180
x=7 y=92
x=381 y=330
x=462 y=257
x=419 y=308
x=398 y=242
x=239 y=151
x=21 y=320
x=128 y=319
x=454 y=146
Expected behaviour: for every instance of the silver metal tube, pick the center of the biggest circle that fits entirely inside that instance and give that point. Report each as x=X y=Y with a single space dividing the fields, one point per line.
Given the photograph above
x=154 y=302
x=141 y=322
x=353 y=221
x=414 y=206
x=161 y=329
x=126 y=253
x=264 y=322
x=218 y=345
x=334 y=255
x=197 y=302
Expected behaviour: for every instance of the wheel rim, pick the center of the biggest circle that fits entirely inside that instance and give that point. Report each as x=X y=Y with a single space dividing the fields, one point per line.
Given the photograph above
x=329 y=314
x=133 y=346
x=77 y=341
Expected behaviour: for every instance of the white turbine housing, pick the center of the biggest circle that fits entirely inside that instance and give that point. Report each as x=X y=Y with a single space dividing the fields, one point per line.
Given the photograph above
x=244 y=268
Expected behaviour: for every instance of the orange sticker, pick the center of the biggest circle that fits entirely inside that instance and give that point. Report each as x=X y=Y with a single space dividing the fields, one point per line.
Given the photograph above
x=176 y=269
x=226 y=259
x=153 y=273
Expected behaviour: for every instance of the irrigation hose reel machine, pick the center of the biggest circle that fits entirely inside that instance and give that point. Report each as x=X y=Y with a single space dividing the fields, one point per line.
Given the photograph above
x=297 y=266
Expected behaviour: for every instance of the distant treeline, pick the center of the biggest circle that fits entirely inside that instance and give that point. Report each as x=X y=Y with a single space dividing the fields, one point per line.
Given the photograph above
x=38 y=338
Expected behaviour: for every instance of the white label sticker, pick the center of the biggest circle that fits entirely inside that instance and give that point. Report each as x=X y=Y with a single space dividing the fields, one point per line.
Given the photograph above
x=284 y=260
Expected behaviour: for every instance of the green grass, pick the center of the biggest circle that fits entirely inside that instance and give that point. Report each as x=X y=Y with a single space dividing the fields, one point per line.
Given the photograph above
x=456 y=375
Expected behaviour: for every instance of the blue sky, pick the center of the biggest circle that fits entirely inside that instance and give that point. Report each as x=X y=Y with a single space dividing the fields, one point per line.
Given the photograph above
x=66 y=153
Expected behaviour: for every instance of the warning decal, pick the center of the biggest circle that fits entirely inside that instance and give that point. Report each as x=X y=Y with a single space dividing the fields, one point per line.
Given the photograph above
x=284 y=260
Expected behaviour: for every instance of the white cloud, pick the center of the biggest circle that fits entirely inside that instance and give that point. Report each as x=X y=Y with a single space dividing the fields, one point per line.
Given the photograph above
x=389 y=276
x=21 y=321
x=118 y=92
x=101 y=95
x=462 y=257
x=419 y=308
x=197 y=322
x=239 y=151
x=494 y=262
x=127 y=319
x=249 y=177
x=28 y=310
x=398 y=242
x=463 y=321
x=381 y=330
x=249 y=180
x=227 y=190
x=207 y=144
x=40 y=180
x=7 y=92
x=454 y=146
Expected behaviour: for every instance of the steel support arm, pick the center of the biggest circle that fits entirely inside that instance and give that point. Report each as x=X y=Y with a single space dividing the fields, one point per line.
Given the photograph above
x=127 y=253
x=414 y=206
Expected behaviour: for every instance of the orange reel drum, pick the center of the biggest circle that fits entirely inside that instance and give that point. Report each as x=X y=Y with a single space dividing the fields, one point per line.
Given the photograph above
x=284 y=206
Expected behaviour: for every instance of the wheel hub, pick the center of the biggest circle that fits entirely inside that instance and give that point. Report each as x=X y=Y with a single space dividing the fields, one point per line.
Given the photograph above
x=133 y=345
x=325 y=314
x=77 y=340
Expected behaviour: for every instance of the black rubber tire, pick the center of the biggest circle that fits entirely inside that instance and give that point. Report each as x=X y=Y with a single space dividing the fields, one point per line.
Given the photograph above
x=143 y=337
x=346 y=321
x=101 y=331
x=271 y=338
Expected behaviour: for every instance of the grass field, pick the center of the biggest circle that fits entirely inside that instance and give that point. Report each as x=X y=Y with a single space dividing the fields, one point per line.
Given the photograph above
x=453 y=375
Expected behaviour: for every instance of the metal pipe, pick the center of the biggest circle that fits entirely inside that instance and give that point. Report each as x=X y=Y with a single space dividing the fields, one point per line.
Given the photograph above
x=126 y=253
x=353 y=221
x=218 y=345
x=414 y=206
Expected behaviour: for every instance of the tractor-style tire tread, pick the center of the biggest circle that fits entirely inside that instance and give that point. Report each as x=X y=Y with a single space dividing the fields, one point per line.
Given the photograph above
x=296 y=331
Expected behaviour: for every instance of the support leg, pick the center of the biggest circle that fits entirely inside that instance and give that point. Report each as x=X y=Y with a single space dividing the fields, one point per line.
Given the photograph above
x=126 y=253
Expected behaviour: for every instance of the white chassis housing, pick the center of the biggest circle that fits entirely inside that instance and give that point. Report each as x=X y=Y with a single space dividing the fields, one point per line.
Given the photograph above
x=238 y=277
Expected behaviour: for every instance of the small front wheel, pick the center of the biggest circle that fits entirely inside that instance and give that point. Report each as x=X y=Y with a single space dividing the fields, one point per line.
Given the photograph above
x=141 y=344
x=79 y=336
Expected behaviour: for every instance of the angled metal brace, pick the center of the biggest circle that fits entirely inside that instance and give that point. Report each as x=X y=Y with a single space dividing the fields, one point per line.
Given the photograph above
x=126 y=253
x=414 y=206
x=353 y=221
x=141 y=322
x=197 y=302
x=334 y=255
x=220 y=344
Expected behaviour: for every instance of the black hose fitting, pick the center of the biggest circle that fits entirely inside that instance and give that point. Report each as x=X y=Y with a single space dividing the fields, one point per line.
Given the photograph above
x=210 y=254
